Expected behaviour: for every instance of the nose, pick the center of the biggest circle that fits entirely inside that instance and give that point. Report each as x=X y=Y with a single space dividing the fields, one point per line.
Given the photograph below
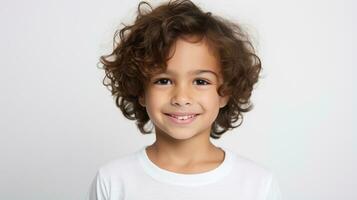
x=181 y=97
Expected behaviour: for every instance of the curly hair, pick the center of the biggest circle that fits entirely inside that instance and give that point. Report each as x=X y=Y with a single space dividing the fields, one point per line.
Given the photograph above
x=143 y=48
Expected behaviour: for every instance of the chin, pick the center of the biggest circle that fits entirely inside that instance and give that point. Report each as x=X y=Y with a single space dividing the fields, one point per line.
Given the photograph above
x=179 y=134
x=182 y=137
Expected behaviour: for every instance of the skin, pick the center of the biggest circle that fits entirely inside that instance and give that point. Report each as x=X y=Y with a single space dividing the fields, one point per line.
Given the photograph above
x=185 y=148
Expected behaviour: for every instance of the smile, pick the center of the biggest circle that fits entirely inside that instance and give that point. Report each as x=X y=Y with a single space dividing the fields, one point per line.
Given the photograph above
x=182 y=119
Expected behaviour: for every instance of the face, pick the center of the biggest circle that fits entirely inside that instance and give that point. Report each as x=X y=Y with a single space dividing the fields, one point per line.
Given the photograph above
x=188 y=86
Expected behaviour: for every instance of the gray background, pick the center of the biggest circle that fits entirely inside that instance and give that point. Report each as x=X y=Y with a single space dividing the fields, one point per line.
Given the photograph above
x=59 y=124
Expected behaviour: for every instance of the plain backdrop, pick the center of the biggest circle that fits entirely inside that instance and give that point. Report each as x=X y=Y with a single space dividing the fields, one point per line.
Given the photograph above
x=59 y=123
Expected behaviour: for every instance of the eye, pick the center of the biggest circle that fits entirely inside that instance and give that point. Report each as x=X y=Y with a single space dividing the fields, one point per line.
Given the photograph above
x=162 y=80
x=202 y=82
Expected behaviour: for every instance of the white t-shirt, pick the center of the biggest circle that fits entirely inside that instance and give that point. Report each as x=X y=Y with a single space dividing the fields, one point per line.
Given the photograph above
x=136 y=177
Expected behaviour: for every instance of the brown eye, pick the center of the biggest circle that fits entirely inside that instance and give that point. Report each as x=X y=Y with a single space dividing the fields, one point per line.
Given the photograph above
x=161 y=81
x=202 y=82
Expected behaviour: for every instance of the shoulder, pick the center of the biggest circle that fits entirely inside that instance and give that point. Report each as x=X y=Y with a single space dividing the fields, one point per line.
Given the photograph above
x=250 y=168
x=118 y=166
x=108 y=182
x=260 y=178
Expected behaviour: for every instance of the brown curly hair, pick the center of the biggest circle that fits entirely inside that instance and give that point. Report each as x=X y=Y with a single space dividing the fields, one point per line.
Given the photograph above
x=143 y=51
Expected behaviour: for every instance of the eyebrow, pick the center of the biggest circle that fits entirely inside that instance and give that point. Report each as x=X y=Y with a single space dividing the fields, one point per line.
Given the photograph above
x=194 y=72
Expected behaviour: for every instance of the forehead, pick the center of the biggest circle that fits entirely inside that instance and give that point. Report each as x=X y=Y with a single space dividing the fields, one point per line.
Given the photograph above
x=190 y=57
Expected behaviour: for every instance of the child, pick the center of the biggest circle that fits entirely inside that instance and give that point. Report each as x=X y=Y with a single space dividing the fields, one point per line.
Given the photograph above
x=191 y=74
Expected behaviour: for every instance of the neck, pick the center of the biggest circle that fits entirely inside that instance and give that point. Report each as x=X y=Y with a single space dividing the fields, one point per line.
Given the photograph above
x=170 y=151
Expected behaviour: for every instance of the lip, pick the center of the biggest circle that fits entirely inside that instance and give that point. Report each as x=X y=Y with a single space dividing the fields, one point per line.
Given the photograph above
x=181 y=113
x=181 y=122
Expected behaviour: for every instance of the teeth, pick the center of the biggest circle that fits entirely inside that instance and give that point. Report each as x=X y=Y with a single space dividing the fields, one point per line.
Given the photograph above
x=183 y=117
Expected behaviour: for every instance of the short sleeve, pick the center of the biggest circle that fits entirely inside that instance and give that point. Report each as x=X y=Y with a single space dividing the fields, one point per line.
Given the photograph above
x=273 y=192
x=98 y=189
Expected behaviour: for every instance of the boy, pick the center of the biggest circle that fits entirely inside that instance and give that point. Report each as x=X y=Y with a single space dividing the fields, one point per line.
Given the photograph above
x=190 y=74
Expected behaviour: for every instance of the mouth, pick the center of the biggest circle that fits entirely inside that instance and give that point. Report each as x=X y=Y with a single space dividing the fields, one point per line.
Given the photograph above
x=182 y=118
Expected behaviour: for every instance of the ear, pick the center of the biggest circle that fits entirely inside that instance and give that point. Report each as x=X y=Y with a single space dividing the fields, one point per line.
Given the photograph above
x=223 y=101
x=142 y=101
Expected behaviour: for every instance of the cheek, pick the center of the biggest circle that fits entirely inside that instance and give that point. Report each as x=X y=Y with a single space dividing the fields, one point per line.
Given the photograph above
x=158 y=94
x=210 y=99
x=154 y=101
